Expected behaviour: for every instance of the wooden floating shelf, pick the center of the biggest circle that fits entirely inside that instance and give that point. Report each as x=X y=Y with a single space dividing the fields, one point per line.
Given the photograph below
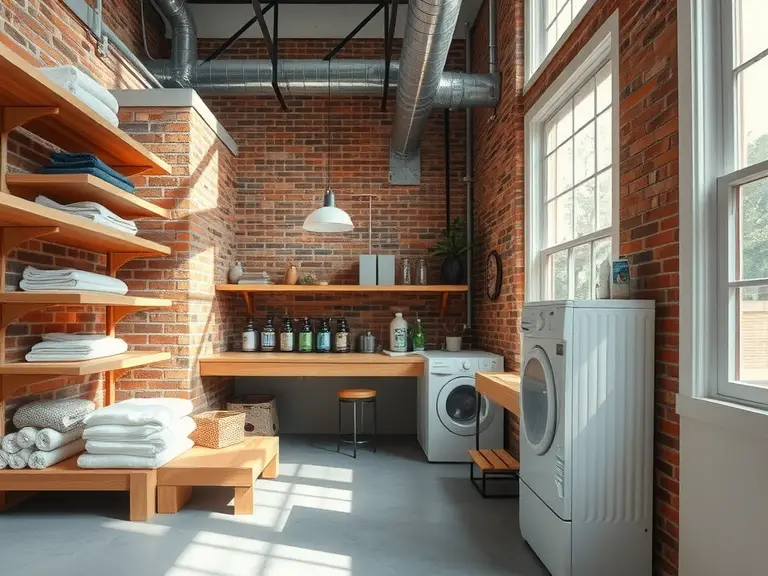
x=341 y=289
x=71 y=230
x=501 y=387
x=82 y=299
x=73 y=126
x=68 y=188
x=84 y=367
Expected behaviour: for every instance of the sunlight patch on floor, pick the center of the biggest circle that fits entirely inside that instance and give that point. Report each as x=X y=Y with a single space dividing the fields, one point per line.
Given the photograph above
x=314 y=472
x=136 y=527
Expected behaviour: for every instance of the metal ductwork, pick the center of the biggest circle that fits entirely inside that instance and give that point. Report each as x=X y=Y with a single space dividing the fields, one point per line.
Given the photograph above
x=428 y=36
x=184 y=40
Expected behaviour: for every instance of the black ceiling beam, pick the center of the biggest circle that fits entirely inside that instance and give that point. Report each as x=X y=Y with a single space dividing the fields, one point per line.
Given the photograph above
x=389 y=40
x=231 y=40
x=224 y=2
x=271 y=46
x=354 y=32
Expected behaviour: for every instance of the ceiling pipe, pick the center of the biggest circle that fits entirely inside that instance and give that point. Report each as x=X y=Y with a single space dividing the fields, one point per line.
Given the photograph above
x=184 y=40
x=428 y=35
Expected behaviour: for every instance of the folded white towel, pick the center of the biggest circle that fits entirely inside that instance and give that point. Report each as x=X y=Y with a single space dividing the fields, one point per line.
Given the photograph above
x=53 y=351
x=116 y=461
x=49 y=439
x=92 y=211
x=9 y=444
x=26 y=437
x=153 y=433
x=76 y=81
x=147 y=448
x=19 y=460
x=99 y=107
x=42 y=459
x=61 y=415
x=70 y=279
x=140 y=411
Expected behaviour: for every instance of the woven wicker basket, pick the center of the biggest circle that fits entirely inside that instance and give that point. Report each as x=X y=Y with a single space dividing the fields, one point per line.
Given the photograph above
x=218 y=428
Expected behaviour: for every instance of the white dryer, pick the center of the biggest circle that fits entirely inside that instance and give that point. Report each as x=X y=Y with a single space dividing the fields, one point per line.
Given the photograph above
x=447 y=405
x=586 y=438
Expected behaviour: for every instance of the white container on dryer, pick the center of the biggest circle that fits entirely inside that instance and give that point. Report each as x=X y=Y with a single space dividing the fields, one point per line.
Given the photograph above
x=586 y=435
x=447 y=405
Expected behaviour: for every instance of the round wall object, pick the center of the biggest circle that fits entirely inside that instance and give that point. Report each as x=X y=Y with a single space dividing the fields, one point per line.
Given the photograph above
x=493 y=275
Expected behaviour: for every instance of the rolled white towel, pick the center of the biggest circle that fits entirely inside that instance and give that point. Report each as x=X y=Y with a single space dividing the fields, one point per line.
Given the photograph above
x=49 y=439
x=4 y=459
x=116 y=461
x=9 y=444
x=140 y=411
x=19 y=460
x=75 y=80
x=27 y=436
x=40 y=460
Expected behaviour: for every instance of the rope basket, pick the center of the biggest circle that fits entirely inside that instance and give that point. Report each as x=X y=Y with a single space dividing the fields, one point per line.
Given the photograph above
x=218 y=428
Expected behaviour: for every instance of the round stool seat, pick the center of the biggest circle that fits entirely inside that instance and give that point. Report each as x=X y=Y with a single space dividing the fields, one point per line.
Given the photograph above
x=356 y=394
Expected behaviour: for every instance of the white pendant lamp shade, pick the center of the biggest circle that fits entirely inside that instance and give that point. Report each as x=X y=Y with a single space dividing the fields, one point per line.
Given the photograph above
x=328 y=218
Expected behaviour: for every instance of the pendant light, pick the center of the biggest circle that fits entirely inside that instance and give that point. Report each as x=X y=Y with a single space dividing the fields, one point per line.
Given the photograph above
x=328 y=218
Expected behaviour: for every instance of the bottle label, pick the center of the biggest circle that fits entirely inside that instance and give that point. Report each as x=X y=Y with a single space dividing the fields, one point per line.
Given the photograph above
x=400 y=342
x=323 y=341
x=305 y=342
x=342 y=342
x=268 y=340
x=286 y=341
x=249 y=341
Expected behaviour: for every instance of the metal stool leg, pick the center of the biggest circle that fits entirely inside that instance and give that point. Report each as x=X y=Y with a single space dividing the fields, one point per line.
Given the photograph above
x=354 y=429
x=338 y=438
x=375 y=439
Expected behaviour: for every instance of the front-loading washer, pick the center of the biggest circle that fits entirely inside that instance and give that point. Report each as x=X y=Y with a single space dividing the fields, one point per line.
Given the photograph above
x=447 y=405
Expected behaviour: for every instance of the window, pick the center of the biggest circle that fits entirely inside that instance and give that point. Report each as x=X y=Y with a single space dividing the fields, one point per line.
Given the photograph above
x=571 y=176
x=742 y=205
x=548 y=24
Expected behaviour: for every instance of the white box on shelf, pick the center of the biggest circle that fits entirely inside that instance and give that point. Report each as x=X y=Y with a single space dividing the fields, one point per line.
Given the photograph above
x=367 y=269
x=386 y=270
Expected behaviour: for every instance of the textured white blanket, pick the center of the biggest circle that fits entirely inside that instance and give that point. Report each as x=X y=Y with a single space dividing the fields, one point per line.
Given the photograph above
x=140 y=411
x=40 y=459
x=114 y=461
x=9 y=444
x=49 y=439
x=63 y=415
x=26 y=436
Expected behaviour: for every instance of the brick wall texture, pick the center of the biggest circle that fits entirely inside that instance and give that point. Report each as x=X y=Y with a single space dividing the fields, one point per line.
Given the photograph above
x=648 y=201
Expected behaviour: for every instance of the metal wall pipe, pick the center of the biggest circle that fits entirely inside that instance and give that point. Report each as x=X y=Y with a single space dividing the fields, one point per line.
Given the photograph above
x=469 y=173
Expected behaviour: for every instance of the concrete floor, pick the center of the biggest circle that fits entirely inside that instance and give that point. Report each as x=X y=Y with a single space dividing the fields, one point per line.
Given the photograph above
x=389 y=513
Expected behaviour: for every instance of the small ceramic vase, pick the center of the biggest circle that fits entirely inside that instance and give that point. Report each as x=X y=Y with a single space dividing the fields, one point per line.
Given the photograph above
x=235 y=272
x=291 y=275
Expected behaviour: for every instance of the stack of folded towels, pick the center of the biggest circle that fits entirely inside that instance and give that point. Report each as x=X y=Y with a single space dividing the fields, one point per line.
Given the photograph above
x=94 y=212
x=59 y=347
x=49 y=431
x=137 y=433
x=86 y=89
x=67 y=163
x=69 y=280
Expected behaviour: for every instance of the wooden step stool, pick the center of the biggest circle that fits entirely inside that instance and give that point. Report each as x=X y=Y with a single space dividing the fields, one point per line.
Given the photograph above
x=493 y=465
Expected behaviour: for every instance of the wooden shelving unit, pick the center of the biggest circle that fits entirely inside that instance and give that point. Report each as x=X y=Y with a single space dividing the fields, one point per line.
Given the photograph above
x=247 y=290
x=29 y=100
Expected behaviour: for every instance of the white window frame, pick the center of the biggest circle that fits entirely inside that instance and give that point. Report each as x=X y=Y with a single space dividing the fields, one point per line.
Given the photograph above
x=708 y=179
x=536 y=56
x=601 y=48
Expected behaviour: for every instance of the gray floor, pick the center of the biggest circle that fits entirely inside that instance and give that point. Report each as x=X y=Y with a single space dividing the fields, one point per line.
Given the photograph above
x=391 y=513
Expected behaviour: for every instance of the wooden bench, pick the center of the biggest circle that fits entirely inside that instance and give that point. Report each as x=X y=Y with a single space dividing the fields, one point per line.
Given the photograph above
x=66 y=476
x=493 y=464
x=237 y=466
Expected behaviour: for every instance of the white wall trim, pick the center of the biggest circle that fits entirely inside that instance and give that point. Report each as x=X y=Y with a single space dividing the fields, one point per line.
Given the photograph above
x=601 y=48
x=736 y=417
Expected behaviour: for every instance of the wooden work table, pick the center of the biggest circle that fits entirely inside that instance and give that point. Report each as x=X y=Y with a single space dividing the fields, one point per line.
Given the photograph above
x=501 y=387
x=310 y=364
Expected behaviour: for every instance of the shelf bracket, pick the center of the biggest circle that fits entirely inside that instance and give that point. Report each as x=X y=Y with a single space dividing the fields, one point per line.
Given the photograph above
x=116 y=260
x=131 y=170
x=443 y=303
x=16 y=116
x=248 y=303
x=13 y=236
x=12 y=312
x=117 y=313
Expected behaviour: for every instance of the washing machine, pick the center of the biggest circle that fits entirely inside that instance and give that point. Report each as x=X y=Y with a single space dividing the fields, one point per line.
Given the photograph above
x=447 y=405
x=586 y=436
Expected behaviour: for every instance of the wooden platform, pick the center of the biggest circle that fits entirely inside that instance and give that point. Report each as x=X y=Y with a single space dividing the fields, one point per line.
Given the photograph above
x=494 y=461
x=501 y=387
x=66 y=476
x=237 y=466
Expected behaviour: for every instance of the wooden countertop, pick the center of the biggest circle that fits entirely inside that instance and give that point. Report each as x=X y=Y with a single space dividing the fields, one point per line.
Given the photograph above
x=309 y=364
x=501 y=387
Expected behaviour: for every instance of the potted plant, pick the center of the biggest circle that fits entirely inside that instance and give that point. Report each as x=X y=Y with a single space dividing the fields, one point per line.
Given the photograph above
x=451 y=248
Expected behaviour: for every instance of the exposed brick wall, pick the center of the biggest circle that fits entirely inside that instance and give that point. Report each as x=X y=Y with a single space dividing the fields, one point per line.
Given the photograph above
x=648 y=200
x=281 y=179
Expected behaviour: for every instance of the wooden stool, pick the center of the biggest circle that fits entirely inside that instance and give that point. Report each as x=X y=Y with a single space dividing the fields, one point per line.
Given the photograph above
x=356 y=397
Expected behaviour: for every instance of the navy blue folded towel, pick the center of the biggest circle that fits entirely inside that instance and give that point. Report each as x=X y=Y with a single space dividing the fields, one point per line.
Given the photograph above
x=106 y=176
x=68 y=163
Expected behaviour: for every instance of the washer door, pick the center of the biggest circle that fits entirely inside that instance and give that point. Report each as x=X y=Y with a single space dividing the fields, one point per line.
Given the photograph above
x=538 y=408
x=457 y=407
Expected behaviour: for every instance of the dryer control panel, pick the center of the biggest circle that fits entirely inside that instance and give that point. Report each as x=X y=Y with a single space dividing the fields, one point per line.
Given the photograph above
x=543 y=321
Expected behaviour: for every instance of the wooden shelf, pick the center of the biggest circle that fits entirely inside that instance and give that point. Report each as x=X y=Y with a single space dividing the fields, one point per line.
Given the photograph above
x=341 y=289
x=84 y=367
x=68 y=188
x=73 y=127
x=72 y=230
x=310 y=364
x=501 y=387
x=82 y=299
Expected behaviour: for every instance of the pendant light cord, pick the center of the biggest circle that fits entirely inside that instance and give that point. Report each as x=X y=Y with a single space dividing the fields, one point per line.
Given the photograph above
x=330 y=133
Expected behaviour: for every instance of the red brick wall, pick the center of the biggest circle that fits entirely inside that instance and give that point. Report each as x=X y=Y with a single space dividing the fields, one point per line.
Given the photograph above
x=648 y=200
x=281 y=179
